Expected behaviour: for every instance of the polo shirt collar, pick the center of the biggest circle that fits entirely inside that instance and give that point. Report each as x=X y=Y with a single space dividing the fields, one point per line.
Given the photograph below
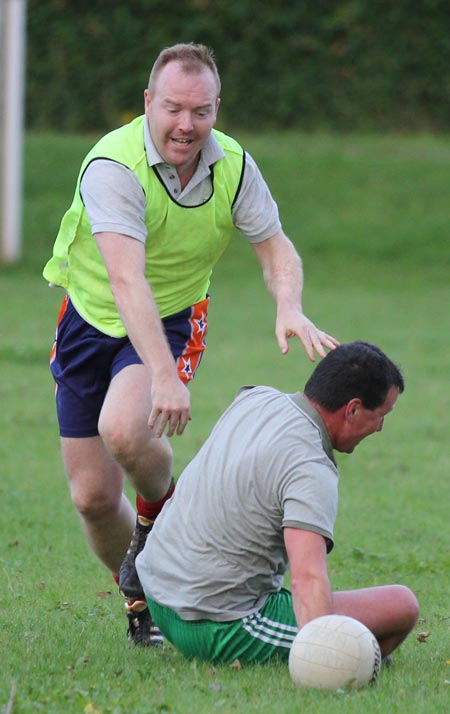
x=305 y=405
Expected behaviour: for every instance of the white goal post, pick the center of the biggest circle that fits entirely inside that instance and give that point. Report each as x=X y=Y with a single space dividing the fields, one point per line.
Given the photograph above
x=12 y=79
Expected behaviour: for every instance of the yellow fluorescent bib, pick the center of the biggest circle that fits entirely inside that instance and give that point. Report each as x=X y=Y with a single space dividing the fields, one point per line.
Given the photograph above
x=183 y=243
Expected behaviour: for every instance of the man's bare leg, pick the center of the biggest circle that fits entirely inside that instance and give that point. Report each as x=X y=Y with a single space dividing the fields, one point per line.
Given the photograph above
x=96 y=487
x=389 y=611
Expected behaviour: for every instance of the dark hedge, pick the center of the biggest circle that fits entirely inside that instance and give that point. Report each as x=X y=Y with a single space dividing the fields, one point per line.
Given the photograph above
x=309 y=64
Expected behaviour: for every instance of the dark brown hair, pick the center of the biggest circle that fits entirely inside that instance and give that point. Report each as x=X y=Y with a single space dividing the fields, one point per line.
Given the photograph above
x=356 y=369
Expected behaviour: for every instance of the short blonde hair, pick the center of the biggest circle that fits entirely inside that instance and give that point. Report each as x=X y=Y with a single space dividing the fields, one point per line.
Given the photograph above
x=191 y=56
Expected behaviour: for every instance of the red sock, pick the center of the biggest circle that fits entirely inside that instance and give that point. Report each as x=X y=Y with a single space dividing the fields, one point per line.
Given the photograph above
x=151 y=509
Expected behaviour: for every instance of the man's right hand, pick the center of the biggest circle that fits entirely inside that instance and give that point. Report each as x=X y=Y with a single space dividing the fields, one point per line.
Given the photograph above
x=171 y=408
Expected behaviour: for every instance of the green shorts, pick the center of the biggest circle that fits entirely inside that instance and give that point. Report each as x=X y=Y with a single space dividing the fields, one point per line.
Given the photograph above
x=265 y=635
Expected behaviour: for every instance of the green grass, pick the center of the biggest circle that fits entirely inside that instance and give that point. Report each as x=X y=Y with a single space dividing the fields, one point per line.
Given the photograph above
x=370 y=218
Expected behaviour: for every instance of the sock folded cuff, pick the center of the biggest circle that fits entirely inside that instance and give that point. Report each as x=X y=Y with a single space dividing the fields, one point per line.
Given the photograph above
x=151 y=509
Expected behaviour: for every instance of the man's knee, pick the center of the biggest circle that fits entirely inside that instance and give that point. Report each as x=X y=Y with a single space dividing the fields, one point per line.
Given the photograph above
x=128 y=443
x=94 y=503
x=408 y=604
x=120 y=442
x=121 y=436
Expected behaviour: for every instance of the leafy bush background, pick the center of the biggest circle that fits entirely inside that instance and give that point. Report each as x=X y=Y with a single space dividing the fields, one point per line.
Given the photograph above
x=309 y=64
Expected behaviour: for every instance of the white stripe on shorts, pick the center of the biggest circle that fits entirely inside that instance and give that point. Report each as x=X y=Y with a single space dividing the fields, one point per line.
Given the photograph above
x=275 y=633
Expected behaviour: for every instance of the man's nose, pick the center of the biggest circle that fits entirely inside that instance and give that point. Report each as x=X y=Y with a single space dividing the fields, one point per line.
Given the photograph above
x=186 y=123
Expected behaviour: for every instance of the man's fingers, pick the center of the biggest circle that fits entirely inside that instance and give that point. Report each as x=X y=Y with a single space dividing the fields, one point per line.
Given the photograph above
x=175 y=421
x=157 y=422
x=313 y=340
x=329 y=341
x=182 y=424
x=283 y=345
x=319 y=341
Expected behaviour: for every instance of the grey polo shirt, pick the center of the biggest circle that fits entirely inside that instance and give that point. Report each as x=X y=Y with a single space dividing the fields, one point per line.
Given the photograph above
x=115 y=201
x=217 y=549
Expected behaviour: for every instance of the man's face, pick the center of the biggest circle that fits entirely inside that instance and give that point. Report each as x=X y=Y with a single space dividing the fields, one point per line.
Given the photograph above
x=361 y=422
x=181 y=110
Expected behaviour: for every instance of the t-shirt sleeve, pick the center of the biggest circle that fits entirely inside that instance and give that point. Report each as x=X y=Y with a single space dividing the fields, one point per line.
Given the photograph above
x=114 y=199
x=255 y=212
x=310 y=497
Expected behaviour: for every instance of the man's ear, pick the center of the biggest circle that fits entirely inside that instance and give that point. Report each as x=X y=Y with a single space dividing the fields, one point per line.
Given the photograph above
x=351 y=408
x=147 y=100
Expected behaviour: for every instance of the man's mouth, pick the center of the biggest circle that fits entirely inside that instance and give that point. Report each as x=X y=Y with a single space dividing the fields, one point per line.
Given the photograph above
x=184 y=142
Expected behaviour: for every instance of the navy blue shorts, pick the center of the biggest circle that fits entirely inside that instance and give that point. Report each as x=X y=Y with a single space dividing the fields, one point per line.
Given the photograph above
x=84 y=360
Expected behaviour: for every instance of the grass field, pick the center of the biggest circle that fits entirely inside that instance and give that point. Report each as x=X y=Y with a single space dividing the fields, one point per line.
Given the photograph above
x=369 y=215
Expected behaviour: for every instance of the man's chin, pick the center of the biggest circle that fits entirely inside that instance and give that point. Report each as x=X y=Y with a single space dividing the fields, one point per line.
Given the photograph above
x=347 y=449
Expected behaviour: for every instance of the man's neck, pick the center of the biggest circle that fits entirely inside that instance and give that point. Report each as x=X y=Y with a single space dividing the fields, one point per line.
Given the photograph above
x=331 y=420
x=186 y=173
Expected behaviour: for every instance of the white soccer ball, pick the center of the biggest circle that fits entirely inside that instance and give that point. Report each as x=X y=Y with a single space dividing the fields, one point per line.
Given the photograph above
x=334 y=652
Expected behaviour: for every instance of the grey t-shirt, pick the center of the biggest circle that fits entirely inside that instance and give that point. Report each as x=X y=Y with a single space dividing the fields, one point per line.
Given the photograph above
x=115 y=201
x=217 y=549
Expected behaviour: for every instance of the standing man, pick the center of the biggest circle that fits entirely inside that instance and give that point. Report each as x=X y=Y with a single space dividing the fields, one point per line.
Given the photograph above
x=213 y=567
x=155 y=205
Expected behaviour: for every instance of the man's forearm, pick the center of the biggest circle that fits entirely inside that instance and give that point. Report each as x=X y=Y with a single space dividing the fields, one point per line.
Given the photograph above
x=311 y=598
x=141 y=320
x=282 y=270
